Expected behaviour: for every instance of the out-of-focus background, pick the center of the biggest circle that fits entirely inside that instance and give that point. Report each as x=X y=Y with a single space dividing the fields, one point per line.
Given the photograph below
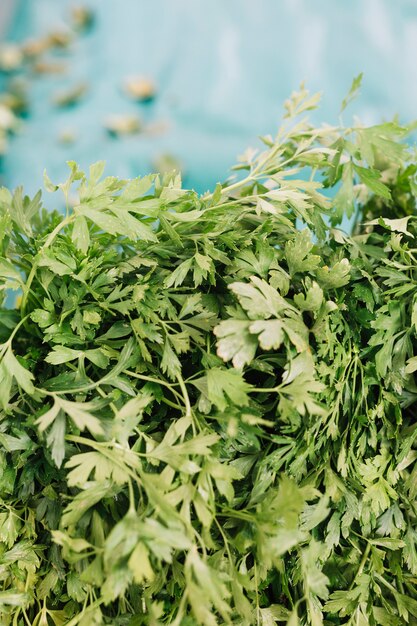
x=155 y=84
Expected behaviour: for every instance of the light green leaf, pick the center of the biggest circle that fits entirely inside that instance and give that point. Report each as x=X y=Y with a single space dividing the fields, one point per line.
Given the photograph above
x=82 y=418
x=224 y=386
x=48 y=184
x=179 y=274
x=335 y=276
x=46 y=419
x=140 y=564
x=353 y=91
x=371 y=179
x=270 y=333
x=298 y=253
x=398 y=226
x=344 y=200
x=170 y=362
x=14 y=598
x=101 y=468
x=81 y=234
x=235 y=343
x=47 y=259
x=22 y=376
x=10 y=278
x=313 y=299
x=259 y=299
x=62 y=354
x=56 y=438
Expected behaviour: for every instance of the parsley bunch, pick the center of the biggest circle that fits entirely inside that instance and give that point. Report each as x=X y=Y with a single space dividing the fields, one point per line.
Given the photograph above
x=207 y=402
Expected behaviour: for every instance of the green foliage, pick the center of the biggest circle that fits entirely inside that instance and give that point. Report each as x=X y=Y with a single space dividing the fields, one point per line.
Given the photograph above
x=207 y=403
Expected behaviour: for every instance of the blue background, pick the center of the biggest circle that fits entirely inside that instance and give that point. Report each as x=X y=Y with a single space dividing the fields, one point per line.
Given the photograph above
x=223 y=69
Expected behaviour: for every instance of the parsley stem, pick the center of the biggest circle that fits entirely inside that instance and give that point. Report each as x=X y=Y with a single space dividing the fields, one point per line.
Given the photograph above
x=75 y=620
x=173 y=405
x=385 y=583
x=361 y=564
x=26 y=289
x=188 y=411
x=157 y=381
x=258 y=612
x=132 y=508
x=258 y=169
x=15 y=329
x=26 y=617
x=181 y=609
x=266 y=390
x=149 y=379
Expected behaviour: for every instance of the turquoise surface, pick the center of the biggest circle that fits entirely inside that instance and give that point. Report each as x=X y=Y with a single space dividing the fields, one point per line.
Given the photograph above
x=223 y=70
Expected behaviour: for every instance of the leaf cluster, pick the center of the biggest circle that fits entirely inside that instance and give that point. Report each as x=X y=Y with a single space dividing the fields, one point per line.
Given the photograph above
x=207 y=402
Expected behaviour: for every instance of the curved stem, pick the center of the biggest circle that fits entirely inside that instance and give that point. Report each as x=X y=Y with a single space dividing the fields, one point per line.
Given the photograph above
x=150 y=379
x=75 y=620
x=157 y=381
x=15 y=329
x=52 y=235
x=173 y=405
x=361 y=564
x=186 y=397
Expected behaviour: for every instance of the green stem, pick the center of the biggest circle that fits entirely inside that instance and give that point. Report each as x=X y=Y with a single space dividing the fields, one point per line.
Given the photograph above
x=48 y=242
x=181 y=609
x=75 y=620
x=26 y=617
x=157 y=381
x=265 y=390
x=132 y=508
x=15 y=329
x=251 y=177
x=386 y=583
x=237 y=202
x=173 y=405
x=186 y=397
x=149 y=379
x=258 y=612
x=361 y=565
